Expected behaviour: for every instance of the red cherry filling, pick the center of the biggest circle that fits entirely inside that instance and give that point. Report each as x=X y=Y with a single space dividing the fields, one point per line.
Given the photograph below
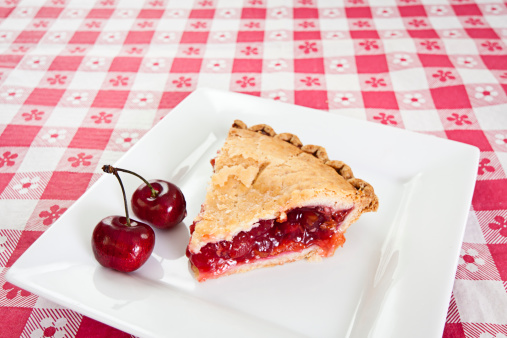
x=303 y=228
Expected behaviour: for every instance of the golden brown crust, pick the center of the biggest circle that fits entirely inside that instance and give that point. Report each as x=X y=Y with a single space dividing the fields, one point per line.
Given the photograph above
x=291 y=138
x=261 y=175
x=317 y=151
x=264 y=129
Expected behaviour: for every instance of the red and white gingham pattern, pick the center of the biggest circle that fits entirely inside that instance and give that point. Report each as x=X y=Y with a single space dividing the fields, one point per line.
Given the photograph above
x=81 y=81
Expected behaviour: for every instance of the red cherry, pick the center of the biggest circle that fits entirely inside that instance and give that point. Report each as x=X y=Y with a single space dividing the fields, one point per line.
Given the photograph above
x=164 y=209
x=120 y=243
x=120 y=246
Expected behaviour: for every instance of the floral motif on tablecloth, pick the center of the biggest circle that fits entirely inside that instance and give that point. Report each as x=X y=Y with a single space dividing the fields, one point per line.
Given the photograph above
x=54 y=135
x=50 y=328
x=13 y=291
x=486 y=93
x=344 y=98
x=102 y=117
x=27 y=184
x=51 y=215
x=339 y=65
x=471 y=260
x=8 y=159
x=143 y=99
x=459 y=119
x=278 y=96
x=216 y=65
x=387 y=119
x=33 y=115
x=127 y=139
x=484 y=167
x=415 y=100
x=500 y=225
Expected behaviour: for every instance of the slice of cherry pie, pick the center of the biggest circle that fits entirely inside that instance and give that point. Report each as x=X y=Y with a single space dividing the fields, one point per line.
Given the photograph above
x=272 y=200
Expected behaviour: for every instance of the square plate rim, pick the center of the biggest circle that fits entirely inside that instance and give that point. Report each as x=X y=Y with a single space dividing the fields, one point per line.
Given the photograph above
x=200 y=92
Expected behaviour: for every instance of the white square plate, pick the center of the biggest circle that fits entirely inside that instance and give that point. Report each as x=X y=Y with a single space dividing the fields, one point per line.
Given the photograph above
x=393 y=277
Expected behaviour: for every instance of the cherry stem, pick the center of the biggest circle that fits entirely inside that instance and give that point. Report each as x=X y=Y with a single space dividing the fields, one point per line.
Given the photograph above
x=112 y=170
x=109 y=169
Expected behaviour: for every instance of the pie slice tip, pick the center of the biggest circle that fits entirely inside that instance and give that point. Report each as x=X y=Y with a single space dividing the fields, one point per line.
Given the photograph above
x=273 y=200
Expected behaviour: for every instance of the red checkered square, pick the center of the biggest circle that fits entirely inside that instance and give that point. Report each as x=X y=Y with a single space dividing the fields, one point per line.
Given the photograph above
x=380 y=99
x=66 y=63
x=247 y=66
x=499 y=254
x=423 y=34
x=100 y=13
x=27 y=238
x=150 y=14
x=435 y=60
x=453 y=330
x=29 y=37
x=139 y=37
x=92 y=328
x=14 y=320
x=495 y=61
x=253 y=13
x=18 y=135
x=188 y=65
x=311 y=66
x=110 y=99
x=305 y=13
x=6 y=11
x=91 y=138
x=44 y=97
x=253 y=36
x=5 y=178
x=9 y=238
x=481 y=33
x=365 y=34
x=466 y=9
x=309 y=35
x=358 y=12
x=84 y=37
x=413 y=10
x=125 y=64
x=451 y=97
x=66 y=186
x=171 y=99
x=371 y=64
x=49 y=12
x=194 y=37
x=202 y=14
x=311 y=98
x=473 y=137
x=9 y=61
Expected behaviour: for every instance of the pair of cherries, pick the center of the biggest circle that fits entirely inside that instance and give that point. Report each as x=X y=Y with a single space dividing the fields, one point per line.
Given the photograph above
x=124 y=244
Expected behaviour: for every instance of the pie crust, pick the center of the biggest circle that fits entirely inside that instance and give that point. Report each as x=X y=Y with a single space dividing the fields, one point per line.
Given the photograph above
x=260 y=175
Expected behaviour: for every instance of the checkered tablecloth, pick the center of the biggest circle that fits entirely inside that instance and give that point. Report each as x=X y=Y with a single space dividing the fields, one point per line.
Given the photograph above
x=81 y=81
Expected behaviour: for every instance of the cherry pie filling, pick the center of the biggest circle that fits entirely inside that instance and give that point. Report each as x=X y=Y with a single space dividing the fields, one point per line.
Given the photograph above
x=304 y=227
